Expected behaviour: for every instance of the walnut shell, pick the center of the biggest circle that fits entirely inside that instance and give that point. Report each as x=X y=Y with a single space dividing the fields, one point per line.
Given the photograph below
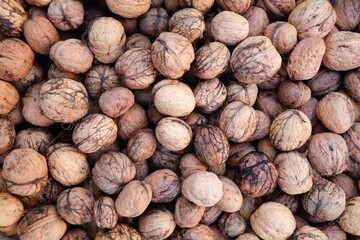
x=15 y=116
x=238 y=151
x=128 y=9
x=238 y=121
x=255 y=60
x=202 y=188
x=211 y=215
x=55 y=72
x=104 y=213
x=187 y=214
x=346 y=14
x=290 y=130
x=188 y=22
x=352 y=84
x=24 y=171
x=293 y=178
x=313 y=19
x=38 y=139
x=245 y=93
x=112 y=171
x=120 y=231
x=190 y=164
x=324 y=82
x=308 y=232
x=290 y=201
x=74 y=234
x=352 y=138
x=41 y=223
x=196 y=120
x=210 y=95
x=66 y=14
x=11 y=209
x=172 y=54
x=156 y=224
x=273 y=221
x=347 y=184
x=263 y=123
x=71 y=55
x=142 y=145
x=202 y=5
x=35 y=75
x=258 y=20
x=280 y=8
x=231 y=224
x=232 y=199
x=283 y=36
x=309 y=108
x=247 y=236
x=349 y=220
x=137 y=40
x=7 y=135
x=94 y=132
x=12 y=18
x=164 y=158
x=269 y=103
x=200 y=232
x=238 y=7
x=293 y=94
x=154 y=22
x=116 y=101
x=336 y=111
x=333 y=231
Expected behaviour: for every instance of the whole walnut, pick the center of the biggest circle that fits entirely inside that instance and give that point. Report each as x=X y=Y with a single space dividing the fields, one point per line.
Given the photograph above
x=309 y=108
x=211 y=215
x=156 y=224
x=164 y=158
x=347 y=184
x=255 y=60
x=77 y=233
x=190 y=164
x=7 y=135
x=196 y=120
x=94 y=132
x=293 y=178
x=41 y=223
x=232 y=199
x=66 y=14
x=202 y=188
x=202 y=5
x=258 y=20
x=273 y=82
x=55 y=72
x=104 y=213
x=238 y=121
x=273 y=221
x=313 y=19
x=283 y=36
x=154 y=22
x=263 y=123
x=128 y=9
x=211 y=60
x=306 y=58
x=220 y=31
x=16 y=59
x=135 y=68
x=333 y=231
x=293 y=94
x=349 y=220
x=324 y=82
x=210 y=95
x=308 y=232
x=200 y=232
x=238 y=151
x=256 y=175
x=247 y=236
x=11 y=209
x=336 y=111
x=138 y=40
x=352 y=138
x=63 y=100
x=116 y=101
x=142 y=145
x=290 y=201
x=36 y=74
x=290 y=130
x=172 y=64
x=112 y=171
x=12 y=18
x=325 y=200
x=352 y=84
x=187 y=214
x=231 y=224
x=279 y=8
x=245 y=93
x=24 y=171
x=346 y=17
x=38 y=139
x=130 y=24
x=120 y=231
x=238 y=7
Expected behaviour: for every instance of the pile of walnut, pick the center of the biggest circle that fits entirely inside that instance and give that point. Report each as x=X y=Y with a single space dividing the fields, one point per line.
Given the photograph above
x=180 y=119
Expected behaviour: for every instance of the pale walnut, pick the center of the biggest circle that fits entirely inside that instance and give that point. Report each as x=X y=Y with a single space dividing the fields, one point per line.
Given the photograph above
x=66 y=14
x=232 y=199
x=156 y=224
x=283 y=36
x=238 y=7
x=120 y=231
x=187 y=214
x=38 y=139
x=154 y=22
x=349 y=220
x=246 y=93
x=142 y=145
x=247 y=236
x=202 y=5
x=7 y=135
x=308 y=232
x=11 y=209
x=128 y=9
x=210 y=95
x=258 y=20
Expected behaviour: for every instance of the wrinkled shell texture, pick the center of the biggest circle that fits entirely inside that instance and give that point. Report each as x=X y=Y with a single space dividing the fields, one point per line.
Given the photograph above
x=238 y=7
x=210 y=95
x=258 y=20
x=352 y=138
x=187 y=214
x=66 y=14
x=142 y=145
x=9 y=97
x=7 y=135
x=154 y=22
x=120 y=231
x=352 y=84
x=347 y=14
x=127 y=8
x=12 y=18
x=11 y=209
x=116 y=101
x=131 y=121
x=246 y=93
x=232 y=198
x=156 y=224
x=349 y=220
x=293 y=94
x=104 y=213
x=308 y=232
x=283 y=36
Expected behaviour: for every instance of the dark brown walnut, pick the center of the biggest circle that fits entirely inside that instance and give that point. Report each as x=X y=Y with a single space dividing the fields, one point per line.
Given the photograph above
x=333 y=231
x=75 y=234
x=190 y=164
x=295 y=172
x=308 y=232
x=143 y=96
x=128 y=9
x=211 y=145
x=211 y=60
x=120 y=231
x=347 y=184
x=172 y=6
x=135 y=68
x=336 y=111
x=220 y=31
x=231 y=224
x=9 y=97
x=200 y=232
x=55 y=72
x=280 y=9
x=154 y=116
x=188 y=22
x=40 y=34
x=106 y=38
x=24 y=171
x=290 y=130
x=232 y=199
x=164 y=158
x=306 y=58
x=255 y=60
x=210 y=95
x=347 y=14
x=293 y=94
x=258 y=20
x=325 y=200
x=40 y=222
x=309 y=108
x=211 y=215
x=273 y=82
x=71 y=55
x=341 y=49
x=35 y=75
x=324 y=82
x=94 y=132
x=300 y=222
x=116 y=101
x=104 y=213
x=172 y=54
x=328 y=153
x=238 y=7
x=352 y=84
x=313 y=19
x=256 y=175
x=131 y=121
x=349 y=220
x=142 y=170
x=76 y=205
x=237 y=152
x=11 y=208
x=38 y=10
x=202 y=5
x=66 y=14
x=156 y=224
x=352 y=138
x=196 y=120
x=112 y=171
x=283 y=36
x=7 y=135
x=263 y=124
x=130 y=24
x=245 y=93
x=63 y=100
x=12 y=18
x=154 y=22
x=38 y=139
x=16 y=59
x=164 y=184
x=137 y=40
x=353 y=168
x=187 y=214
x=142 y=145
x=290 y=201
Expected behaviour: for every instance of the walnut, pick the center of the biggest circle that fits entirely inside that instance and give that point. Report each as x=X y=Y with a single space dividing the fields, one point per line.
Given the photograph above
x=232 y=224
x=290 y=130
x=38 y=139
x=130 y=24
x=142 y=170
x=173 y=6
x=11 y=210
x=116 y=101
x=325 y=200
x=135 y=68
x=263 y=123
x=172 y=54
x=293 y=94
x=104 y=213
x=280 y=9
x=245 y=93
x=324 y=82
x=352 y=138
x=202 y=5
x=211 y=60
x=309 y=108
x=333 y=231
x=156 y=224
x=187 y=214
x=196 y=120
x=16 y=59
x=128 y=9
x=273 y=82
x=238 y=121
x=255 y=60
x=290 y=201
x=237 y=152
x=141 y=145
x=74 y=234
x=7 y=135
x=112 y=171
x=12 y=18
x=238 y=7
x=40 y=222
x=211 y=215
x=313 y=19
x=247 y=236
x=94 y=132
x=352 y=84
x=293 y=178
x=210 y=95
x=75 y=205
x=258 y=20
x=273 y=221
x=347 y=184
x=308 y=232
x=269 y=103
x=155 y=116
x=341 y=49
x=173 y=133
x=346 y=14
x=219 y=169
x=15 y=116
x=283 y=36
x=120 y=231
x=190 y=164
x=154 y=22
x=35 y=75
x=131 y=121
x=91 y=12
x=137 y=40
x=336 y=111
x=349 y=220
x=66 y=14
x=200 y=232
x=232 y=199
x=256 y=175
x=55 y=72
x=164 y=158
x=202 y=188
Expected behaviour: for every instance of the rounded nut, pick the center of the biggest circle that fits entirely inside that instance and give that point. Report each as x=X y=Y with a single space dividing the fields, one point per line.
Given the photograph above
x=201 y=231
x=190 y=164
x=104 y=213
x=238 y=7
x=142 y=145
x=352 y=84
x=128 y=9
x=293 y=94
x=154 y=21
x=349 y=220
x=352 y=138
x=156 y=224
x=308 y=232
x=258 y=20
x=120 y=231
x=7 y=135
x=9 y=97
x=263 y=123
x=231 y=224
x=347 y=184
x=324 y=82
x=283 y=36
x=210 y=95
x=232 y=199
x=11 y=209
x=66 y=14
x=116 y=101
x=245 y=93
x=280 y=9
x=137 y=40
x=187 y=214
x=269 y=103
x=13 y=16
